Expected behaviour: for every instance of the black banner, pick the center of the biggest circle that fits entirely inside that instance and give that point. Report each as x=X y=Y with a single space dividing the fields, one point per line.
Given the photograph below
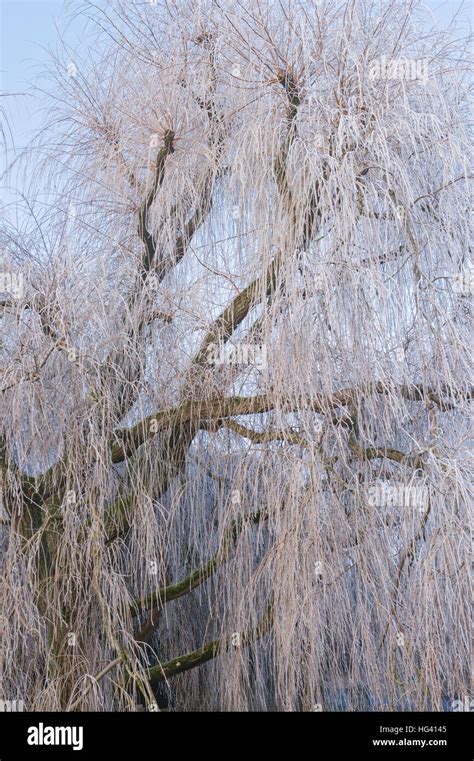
x=97 y=735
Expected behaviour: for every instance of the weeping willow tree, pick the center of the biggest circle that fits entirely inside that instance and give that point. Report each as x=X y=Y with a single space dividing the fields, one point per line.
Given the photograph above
x=235 y=378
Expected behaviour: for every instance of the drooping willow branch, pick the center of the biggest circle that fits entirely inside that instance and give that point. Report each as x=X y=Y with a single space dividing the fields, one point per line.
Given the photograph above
x=308 y=155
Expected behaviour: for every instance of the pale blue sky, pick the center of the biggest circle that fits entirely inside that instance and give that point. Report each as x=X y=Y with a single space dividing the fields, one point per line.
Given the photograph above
x=29 y=28
x=29 y=31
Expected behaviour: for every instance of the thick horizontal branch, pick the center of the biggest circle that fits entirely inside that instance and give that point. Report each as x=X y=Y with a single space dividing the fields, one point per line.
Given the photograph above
x=210 y=650
x=184 y=662
x=128 y=440
x=262 y=437
x=132 y=438
x=125 y=442
x=388 y=453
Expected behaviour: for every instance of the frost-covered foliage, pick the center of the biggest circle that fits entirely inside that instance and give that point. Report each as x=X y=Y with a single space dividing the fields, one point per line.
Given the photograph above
x=235 y=373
